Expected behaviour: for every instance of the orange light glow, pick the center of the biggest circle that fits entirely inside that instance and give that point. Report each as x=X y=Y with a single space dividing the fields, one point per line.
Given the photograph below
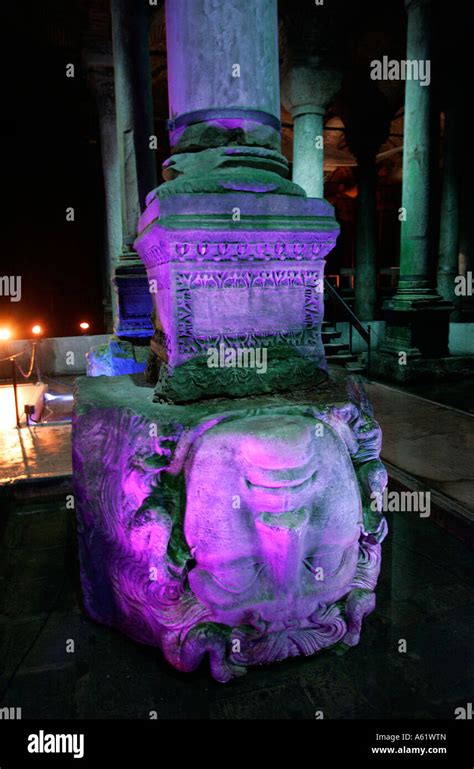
x=5 y=334
x=84 y=326
x=36 y=330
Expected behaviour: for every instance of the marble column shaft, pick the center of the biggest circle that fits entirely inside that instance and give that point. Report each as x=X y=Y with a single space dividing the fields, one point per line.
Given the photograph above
x=448 y=262
x=223 y=73
x=308 y=152
x=112 y=188
x=366 y=239
x=416 y=273
x=133 y=94
x=417 y=317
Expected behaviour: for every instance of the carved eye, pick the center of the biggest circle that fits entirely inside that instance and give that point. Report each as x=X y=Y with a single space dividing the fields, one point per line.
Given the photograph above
x=238 y=578
x=329 y=559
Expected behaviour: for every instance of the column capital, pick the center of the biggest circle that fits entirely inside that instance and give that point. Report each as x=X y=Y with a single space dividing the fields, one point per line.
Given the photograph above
x=99 y=65
x=310 y=89
x=307 y=109
x=410 y=5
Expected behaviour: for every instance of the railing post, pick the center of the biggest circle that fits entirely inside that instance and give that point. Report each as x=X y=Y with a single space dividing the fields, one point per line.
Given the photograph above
x=14 y=383
x=350 y=336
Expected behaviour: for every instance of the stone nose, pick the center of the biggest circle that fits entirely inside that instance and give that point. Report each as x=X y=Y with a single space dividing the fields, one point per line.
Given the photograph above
x=282 y=540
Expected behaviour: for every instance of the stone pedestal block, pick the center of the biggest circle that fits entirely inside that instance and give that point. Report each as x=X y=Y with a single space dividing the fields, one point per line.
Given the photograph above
x=241 y=529
x=237 y=281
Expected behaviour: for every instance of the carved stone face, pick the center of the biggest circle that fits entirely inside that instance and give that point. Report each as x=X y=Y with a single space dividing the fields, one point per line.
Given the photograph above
x=242 y=535
x=273 y=518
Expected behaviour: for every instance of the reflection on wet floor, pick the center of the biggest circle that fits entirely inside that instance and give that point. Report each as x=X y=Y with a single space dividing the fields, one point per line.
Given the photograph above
x=58 y=404
x=35 y=450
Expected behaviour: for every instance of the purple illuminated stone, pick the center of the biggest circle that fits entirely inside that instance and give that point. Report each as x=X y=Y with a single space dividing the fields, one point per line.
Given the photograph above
x=245 y=532
x=229 y=513
x=255 y=283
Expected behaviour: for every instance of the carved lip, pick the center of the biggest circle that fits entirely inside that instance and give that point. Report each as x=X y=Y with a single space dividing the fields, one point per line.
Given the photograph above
x=281 y=486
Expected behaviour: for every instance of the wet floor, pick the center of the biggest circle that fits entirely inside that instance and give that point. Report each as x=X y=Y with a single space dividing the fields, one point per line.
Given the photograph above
x=36 y=450
x=430 y=441
x=425 y=599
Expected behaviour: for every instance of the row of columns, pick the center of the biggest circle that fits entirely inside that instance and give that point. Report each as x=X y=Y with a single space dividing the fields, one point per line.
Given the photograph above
x=306 y=94
x=126 y=123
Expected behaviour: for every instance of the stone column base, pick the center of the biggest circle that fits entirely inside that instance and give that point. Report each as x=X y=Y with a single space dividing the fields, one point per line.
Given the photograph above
x=417 y=369
x=238 y=304
x=135 y=305
x=417 y=327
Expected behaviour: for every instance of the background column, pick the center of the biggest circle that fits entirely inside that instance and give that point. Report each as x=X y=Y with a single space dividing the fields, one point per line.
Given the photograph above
x=306 y=93
x=133 y=96
x=417 y=317
x=137 y=161
x=448 y=260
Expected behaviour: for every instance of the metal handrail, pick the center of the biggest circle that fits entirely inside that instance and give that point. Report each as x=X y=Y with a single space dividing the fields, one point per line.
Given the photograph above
x=365 y=333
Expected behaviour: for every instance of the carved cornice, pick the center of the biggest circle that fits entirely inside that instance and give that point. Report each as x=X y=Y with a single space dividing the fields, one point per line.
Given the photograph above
x=257 y=251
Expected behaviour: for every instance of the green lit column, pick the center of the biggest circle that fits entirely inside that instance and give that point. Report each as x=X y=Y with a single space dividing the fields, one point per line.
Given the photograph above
x=366 y=239
x=306 y=92
x=417 y=317
x=448 y=261
x=417 y=190
x=308 y=152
